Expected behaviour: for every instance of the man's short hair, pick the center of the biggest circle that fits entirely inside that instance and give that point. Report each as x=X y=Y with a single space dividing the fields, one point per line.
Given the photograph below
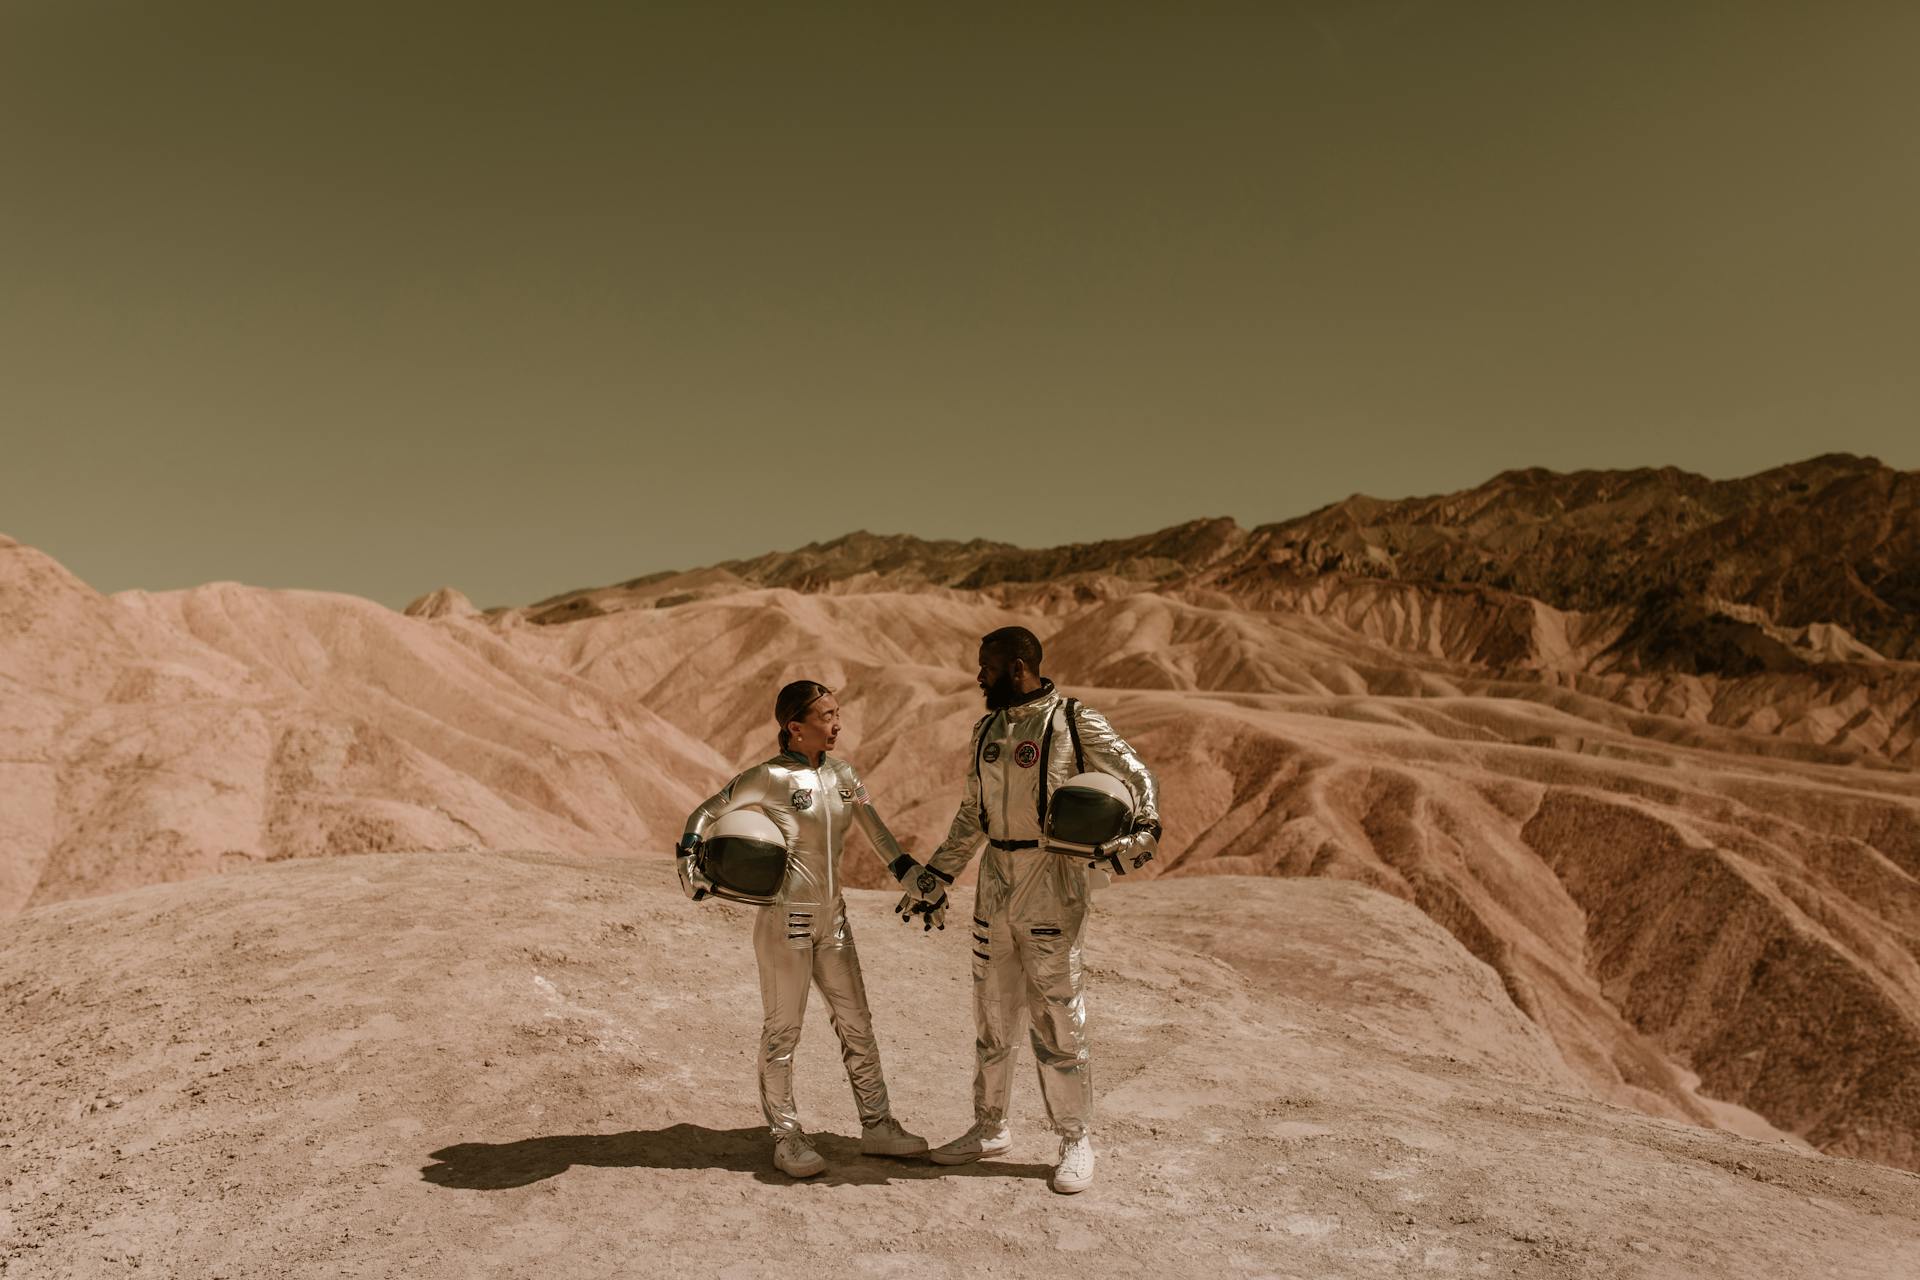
x=1015 y=642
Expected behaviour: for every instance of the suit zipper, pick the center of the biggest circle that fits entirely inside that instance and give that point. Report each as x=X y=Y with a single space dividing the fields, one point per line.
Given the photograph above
x=826 y=816
x=1006 y=829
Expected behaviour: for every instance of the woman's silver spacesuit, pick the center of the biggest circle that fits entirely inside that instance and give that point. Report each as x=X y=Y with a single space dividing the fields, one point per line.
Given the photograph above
x=802 y=937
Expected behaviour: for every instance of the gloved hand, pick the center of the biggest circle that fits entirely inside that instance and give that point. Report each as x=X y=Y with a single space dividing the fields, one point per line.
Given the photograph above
x=1134 y=850
x=933 y=915
x=925 y=896
x=922 y=883
x=1138 y=849
x=687 y=866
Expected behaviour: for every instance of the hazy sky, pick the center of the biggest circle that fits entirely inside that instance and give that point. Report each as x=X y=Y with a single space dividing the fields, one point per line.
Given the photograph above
x=376 y=297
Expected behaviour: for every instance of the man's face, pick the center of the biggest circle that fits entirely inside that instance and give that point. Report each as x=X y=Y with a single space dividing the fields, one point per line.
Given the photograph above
x=999 y=678
x=818 y=729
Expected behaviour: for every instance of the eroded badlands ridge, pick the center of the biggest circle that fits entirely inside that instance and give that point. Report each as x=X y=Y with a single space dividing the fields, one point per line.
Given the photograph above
x=1669 y=799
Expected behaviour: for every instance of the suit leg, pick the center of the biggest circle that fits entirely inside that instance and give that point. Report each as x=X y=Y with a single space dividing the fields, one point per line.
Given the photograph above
x=997 y=1008
x=1057 y=1018
x=836 y=971
x=783 y=947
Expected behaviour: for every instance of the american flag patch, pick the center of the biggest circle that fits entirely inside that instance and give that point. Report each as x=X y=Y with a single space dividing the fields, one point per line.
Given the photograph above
x=860 y=794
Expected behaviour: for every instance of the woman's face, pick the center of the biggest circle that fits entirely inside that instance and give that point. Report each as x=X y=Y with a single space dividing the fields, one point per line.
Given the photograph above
x=817 y=732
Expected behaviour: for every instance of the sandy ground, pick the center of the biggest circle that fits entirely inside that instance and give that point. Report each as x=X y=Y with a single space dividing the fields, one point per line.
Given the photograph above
x=455 y=1065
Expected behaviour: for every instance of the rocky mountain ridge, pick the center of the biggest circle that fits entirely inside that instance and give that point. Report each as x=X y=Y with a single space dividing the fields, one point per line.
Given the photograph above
x=1814 y=562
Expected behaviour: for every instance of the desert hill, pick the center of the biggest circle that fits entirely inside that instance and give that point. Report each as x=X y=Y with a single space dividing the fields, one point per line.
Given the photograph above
x=1698 y=874
x=511 y=1064
x=155 y=737
x=1831 y=542
x=1785 y=603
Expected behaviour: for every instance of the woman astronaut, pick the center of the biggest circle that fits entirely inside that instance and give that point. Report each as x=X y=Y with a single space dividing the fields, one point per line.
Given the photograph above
x=802 y=936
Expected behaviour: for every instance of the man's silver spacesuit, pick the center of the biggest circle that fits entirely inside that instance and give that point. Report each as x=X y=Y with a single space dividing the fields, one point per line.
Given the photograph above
x=803 y=935
x=1030 y=908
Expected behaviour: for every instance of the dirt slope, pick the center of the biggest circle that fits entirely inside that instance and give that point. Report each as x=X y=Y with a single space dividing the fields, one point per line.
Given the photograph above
x=517 y=1065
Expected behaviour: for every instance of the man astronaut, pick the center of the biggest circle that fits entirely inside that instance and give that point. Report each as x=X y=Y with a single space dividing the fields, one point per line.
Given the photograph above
x=1030 y=908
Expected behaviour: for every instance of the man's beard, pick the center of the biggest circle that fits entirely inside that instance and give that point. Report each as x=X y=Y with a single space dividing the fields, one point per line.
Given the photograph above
x=1003 y=692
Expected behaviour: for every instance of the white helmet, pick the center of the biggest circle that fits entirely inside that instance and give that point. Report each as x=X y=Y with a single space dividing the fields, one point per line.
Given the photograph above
x=745 y=856
x=1087 y=811
x=746 y=824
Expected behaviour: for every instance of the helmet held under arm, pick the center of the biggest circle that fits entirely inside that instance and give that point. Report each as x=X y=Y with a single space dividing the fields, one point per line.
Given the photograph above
x=743 y=857
x=1088 y=816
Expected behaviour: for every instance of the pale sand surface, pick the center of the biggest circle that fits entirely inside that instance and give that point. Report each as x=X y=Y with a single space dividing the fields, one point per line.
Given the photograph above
x=519 y=1064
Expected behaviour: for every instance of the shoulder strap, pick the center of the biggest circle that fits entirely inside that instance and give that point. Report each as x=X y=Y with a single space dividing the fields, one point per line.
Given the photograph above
x=1046 y=752
x=1046 y=757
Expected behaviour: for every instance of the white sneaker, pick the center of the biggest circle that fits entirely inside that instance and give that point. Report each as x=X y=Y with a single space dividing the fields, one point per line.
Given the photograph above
x=794 y=1156
x=986 y=1138
x=1075 y=1170
x=887 y=1138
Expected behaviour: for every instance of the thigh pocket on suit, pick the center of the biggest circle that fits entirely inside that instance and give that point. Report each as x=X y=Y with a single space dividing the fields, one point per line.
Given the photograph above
x=1050 y=957
x=982 y=947
x=799 y=928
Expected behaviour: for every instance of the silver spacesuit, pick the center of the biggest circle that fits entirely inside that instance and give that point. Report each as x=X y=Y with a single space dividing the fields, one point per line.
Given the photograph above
x=1030 y=908
x=803 y=935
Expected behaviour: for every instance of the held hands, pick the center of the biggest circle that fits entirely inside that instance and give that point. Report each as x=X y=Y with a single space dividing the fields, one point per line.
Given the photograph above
x=922 y=883
x=933 y=915
x=926 y=893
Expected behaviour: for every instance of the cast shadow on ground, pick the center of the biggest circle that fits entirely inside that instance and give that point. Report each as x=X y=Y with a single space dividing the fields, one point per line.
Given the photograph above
x=497 y=1166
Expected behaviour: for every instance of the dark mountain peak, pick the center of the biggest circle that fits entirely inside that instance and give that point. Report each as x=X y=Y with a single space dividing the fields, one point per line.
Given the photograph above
x=1831 y=540
x=1834 y=539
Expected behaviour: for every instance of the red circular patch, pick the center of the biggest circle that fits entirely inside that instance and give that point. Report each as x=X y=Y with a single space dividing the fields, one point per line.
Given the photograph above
x=1026 y=753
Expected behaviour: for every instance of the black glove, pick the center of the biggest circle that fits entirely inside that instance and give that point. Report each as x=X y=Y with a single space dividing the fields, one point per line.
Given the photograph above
x=933 y=915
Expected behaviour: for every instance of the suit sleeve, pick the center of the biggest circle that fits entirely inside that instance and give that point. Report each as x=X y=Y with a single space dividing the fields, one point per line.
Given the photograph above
x=1108 y=752
x=748 y=788
x=966 y=835
x=867 y=818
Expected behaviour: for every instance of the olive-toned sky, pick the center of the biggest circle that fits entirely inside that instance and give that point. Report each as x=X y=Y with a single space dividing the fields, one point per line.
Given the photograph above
x=376 y=297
